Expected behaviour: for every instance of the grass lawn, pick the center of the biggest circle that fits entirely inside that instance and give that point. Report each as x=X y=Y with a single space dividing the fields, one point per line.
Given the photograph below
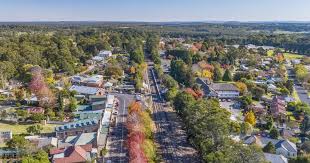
x=2 y=145
x=291 y=56
x=270 y=53
x=18 y=128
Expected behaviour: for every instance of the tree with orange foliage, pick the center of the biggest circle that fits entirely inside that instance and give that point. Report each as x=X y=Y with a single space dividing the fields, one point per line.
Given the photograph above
x=279 y=57
x=132 y=70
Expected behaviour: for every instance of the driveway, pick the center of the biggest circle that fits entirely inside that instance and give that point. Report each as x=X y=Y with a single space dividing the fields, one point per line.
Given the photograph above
x=235 y=112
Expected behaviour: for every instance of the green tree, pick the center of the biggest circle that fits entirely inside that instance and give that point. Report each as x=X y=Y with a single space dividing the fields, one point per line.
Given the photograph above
x=305 y=147
x=37 y=117
x=305 y=127
x=72 y=104
x=274 y=133
x=300 y=159
x=289 y=84
x=182 y=73
x=269 y=123
x=269 y=148
x=217 y=74
x=171 y=94
x=137 y=55
x=23 y=114
x=3 y=114
x=7 y=70
x=113 y=71
x=39 y=157
x=34 y=129
x=257 y=92
x=227 y=75
x=18 y=142
x=169 y=82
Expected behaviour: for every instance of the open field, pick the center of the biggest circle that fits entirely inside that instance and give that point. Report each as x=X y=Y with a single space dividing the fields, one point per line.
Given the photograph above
x=18 y=129
x=292 y=56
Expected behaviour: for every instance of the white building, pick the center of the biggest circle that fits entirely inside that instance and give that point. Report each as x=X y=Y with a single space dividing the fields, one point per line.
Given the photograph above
x=105 y=54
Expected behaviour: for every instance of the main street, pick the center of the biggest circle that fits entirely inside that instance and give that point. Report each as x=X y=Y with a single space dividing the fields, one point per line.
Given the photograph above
x=117 y=151
x=172 y=139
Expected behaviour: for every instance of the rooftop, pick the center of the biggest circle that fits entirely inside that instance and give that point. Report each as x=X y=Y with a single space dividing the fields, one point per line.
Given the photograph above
x=78 y=124
x=273 y=158
x=223 y=87
x=84 y=89
x=81 y=139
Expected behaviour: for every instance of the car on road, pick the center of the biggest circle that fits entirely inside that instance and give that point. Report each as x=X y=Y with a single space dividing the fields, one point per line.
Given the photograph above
x=138 y=97
x=115 y=112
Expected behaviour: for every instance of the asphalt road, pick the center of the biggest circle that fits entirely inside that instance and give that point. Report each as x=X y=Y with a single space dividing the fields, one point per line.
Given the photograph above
x=117 y=151
x=302 y=92
x=172 y=139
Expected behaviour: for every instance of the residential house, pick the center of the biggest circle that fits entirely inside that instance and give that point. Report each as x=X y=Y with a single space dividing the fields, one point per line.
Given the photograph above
x=283 y=147
x=96 y=98
x=94 y=81
x=77 y=79
x=277 y=107
x=84 y=90
x=9 y=154
x=5 y=135
x=80 y=115
x=108 y=86
x=274 y=158
x=77 y=127
x=42 y=142
x=35 y=110
x=73 y=154
x=271 y=88
x=258 y=109
x=80 y=139
x=105 y=53
x=33 y=100
x=98 y=59
x=219 y=90
x=99 y=105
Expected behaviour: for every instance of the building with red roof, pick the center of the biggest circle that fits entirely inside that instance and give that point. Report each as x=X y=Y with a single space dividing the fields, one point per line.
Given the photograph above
x=73 y=154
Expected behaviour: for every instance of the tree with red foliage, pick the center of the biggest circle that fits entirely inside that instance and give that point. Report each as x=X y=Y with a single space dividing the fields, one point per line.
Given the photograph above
x=195 y=93
x=38 y=86
x=134 y=142
x=136 y=136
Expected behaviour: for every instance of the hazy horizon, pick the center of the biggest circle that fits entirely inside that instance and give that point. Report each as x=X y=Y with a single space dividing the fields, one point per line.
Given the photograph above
x=154 y=11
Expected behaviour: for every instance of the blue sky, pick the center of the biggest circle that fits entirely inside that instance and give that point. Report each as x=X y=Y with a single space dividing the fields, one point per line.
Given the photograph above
x=154 y=10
